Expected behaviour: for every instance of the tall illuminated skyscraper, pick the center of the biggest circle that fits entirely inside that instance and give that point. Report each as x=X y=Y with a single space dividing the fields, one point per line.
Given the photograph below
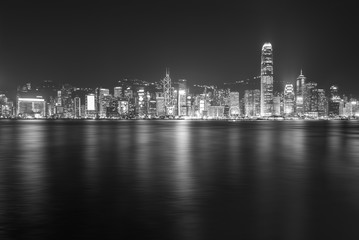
x=267 y=80
x=288 y=99
x=182 y=97
x=300 y=94
x=168 y=93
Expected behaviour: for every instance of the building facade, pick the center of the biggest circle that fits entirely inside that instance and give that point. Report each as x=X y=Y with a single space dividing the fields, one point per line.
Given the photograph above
x=289 y=100
x=300 y=94
x=252 y=103
x=267 y=80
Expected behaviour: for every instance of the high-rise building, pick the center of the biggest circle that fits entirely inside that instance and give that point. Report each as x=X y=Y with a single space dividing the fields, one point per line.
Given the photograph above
x=267 y=80
x=289 y=99
x=160 y=104
x=300 y=94
x=117 y=92
x=152 y=108
x=103 y=101
x=252 y=103
x=90 y=106
x=182 y=97
x=234 y=103
x=334 y=101
x=277 y=102
x=322 y=103
x=310 y=98
x=168 y=93
x=77 y=107
x=141 y=99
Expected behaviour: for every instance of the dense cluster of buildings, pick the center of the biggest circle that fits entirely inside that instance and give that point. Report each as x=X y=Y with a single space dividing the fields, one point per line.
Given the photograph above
x=260 y=97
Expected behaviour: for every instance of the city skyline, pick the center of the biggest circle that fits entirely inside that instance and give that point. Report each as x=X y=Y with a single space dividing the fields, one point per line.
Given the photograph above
x=259 y=98
x=203 y=43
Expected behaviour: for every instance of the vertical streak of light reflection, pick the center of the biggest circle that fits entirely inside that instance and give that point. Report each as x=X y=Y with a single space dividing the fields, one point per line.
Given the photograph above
x=143 y=157
x=184 y=182
x=91 y=156
x=31 y=170
x=294 y=157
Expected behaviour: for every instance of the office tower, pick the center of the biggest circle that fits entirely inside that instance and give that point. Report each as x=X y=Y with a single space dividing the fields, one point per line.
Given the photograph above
x=31 y=107
x=300 y=92
x=152 y=107
x=354 y=112
x=267 y=80
x=277 y=102
x=112 y=109
x=168 y=93
x=322 y=103
x=189 y=104
x=289 y=99
x=6 y=106
x=182 y=97
x=117 y=92
x=234 y=103
x=90 y=106
x=77 y=107
x=160 y=104
x=252 y=103
x=104 y=99
x=140 y=103
x=310 y=98
x=67 y=104
x=334 y=101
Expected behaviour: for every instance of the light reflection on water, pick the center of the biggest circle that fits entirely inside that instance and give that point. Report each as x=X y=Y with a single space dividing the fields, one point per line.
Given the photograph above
x=179 y=179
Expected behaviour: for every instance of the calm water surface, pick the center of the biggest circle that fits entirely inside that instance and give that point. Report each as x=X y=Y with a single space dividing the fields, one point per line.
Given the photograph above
x=179 y=180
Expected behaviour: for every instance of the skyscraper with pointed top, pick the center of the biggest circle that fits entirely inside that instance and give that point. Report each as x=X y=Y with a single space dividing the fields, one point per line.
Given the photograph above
x=267 y=80
x=167 y=93
x=300 y=94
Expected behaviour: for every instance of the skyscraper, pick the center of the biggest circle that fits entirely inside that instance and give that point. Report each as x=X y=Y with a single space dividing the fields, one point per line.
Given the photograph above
x=182 y=97
x=267 y=80
x=334 y=101
x=288 y=99
x=252 y=103
x=168 y=93
x=103 y=101
x=322 y=103
x=234 y=103
x=310 y=98
x=300 y=92
x=77 y=107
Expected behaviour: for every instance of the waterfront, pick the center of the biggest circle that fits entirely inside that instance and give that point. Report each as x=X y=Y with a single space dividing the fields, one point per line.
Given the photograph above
x=179 y=179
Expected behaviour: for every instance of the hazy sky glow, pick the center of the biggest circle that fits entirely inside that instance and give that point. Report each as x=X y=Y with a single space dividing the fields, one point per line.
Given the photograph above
x=91 y=45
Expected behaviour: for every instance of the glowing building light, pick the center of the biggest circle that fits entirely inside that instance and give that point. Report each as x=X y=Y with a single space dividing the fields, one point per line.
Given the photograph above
x=267 y=80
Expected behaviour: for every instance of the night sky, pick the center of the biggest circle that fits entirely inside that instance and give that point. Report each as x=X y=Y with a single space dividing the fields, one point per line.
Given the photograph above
x=205 y=43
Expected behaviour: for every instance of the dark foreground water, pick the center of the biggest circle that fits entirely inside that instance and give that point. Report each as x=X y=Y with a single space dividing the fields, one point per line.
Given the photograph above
x=179 y=180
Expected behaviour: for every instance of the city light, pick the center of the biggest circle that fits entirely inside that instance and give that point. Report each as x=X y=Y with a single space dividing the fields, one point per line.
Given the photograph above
x=253 y=98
